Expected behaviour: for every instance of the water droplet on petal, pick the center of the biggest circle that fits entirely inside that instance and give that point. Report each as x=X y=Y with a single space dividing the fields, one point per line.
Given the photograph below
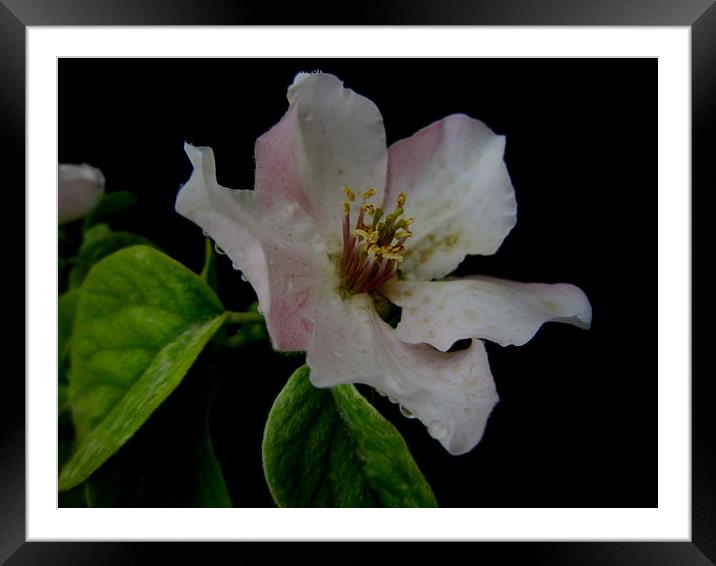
x=379 y=392
x=206 y=235
x=243 y=277
x=391 y=399
x=405 y=412
x=235 y=266
x=259 y=309
x=218 y=250
x=438 y=431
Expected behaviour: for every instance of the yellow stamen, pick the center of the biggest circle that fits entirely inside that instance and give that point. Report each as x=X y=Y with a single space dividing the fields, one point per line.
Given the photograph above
x=369 y=208
x=395 y=257
x=372 y=249
x=350 y=195
x=374 y=261
x=367 y=194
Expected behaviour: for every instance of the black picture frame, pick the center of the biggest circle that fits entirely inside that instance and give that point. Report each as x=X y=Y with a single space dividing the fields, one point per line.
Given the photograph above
x=16 y=15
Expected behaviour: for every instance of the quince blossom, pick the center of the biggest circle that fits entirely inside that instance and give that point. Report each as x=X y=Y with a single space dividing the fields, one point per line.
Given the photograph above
x=325 y=239
x=79 y=188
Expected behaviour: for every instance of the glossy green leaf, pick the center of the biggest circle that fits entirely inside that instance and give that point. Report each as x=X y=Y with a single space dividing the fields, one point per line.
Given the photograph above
x=98 y=243
x=331 y=448
x=142 y=320
x=170 y=461
x=66 y=308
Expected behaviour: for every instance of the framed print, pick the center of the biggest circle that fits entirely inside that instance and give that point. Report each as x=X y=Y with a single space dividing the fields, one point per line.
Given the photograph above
x=367 y=327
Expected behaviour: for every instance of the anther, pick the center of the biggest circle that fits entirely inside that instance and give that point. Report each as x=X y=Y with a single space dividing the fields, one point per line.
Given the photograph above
x=350 y=195
x=367 y=194
x=372 y=251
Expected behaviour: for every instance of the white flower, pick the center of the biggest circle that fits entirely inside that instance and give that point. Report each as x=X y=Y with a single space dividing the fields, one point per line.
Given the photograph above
x=321 y=257
x=79 y=188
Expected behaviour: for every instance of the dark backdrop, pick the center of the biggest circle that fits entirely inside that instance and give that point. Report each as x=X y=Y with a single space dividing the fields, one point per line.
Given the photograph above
x=577 y=421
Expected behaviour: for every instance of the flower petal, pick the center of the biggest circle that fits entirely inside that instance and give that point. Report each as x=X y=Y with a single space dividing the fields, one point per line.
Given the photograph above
x=277 y=248
x=506 y=312
x=278 y=178
x=79 y=188
x=330 y=137
x=451 y=393
x=459 y=193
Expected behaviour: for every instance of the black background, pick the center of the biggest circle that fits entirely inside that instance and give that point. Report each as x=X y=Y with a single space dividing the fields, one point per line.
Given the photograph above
x=576 y=425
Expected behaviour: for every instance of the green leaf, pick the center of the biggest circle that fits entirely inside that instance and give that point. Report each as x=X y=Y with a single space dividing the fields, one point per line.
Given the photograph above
x=142 y=320
x=170 y=461
x=110 y=204
x=66 y=308
x=99 y=242
x=331 y=448
x=75 y=497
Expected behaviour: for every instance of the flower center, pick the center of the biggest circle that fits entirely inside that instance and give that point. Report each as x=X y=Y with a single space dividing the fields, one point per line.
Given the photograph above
x=373 y=249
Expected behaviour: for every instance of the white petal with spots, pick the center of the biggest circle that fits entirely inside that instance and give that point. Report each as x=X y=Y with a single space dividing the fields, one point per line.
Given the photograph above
x=451 y=393
x=459 y=193
x=507 y=312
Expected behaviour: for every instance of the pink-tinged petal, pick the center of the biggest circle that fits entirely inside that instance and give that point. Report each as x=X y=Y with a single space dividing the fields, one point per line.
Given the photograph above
x=506 y=312
x=278 y=155
x=277 y=248
x=458 y=190
x=330 y=137
x=79 y=188
x=451 y=393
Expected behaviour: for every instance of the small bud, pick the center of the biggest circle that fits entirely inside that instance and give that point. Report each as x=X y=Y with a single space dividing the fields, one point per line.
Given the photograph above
x=79 y=188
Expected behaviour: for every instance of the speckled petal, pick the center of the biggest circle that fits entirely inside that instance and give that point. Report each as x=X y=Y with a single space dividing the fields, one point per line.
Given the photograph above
x=507 y=312
x=275 y=245
x=451 y=393
x=459 y=193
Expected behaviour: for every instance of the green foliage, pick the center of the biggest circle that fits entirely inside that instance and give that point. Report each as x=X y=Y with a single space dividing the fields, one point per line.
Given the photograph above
x=170 y=461
x=99 y=242
x=66 y=309
x=331 y=448
x=142 y=319
x=110 y=204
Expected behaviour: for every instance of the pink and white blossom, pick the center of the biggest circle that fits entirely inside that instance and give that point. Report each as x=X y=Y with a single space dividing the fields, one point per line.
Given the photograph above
x=79 y=188
x=338 y=222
